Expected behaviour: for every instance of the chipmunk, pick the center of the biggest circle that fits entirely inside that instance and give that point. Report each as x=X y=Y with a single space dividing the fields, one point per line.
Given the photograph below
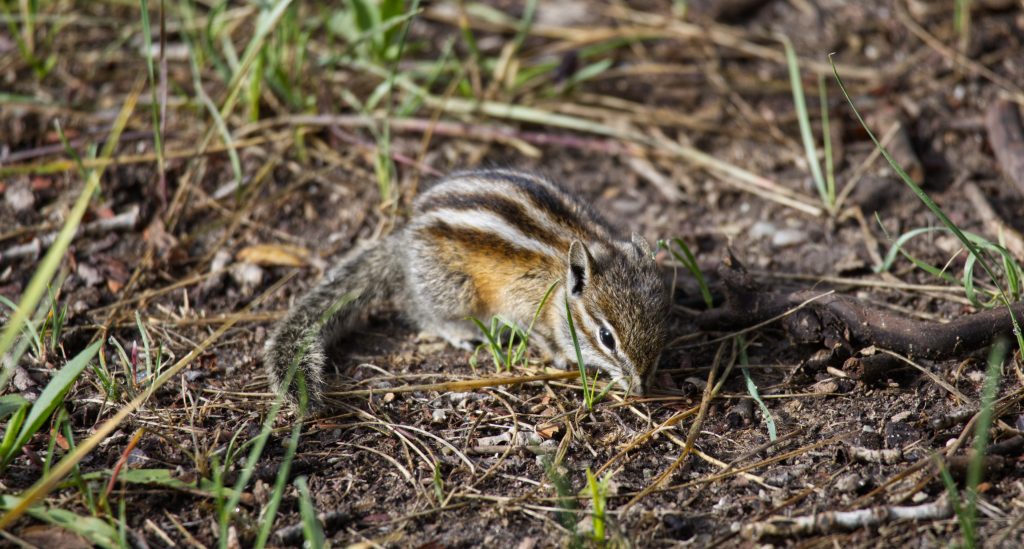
x=492 y=243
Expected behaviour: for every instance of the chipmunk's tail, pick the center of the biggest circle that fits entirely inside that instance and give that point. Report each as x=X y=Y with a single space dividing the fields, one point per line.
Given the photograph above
x=364 y=282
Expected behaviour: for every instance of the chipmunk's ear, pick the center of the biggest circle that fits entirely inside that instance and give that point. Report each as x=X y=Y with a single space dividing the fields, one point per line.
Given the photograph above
x=642 y=246
x=579 y=268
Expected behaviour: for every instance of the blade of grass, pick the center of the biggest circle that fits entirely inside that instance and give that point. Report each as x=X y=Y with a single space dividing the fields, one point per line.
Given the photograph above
x=51 y=397
x=588 y=392
x=826 y=140
x=311 y=529
x=690 y=262
x=95 y=530
x=769 y=419
x=805 y=123
x=989 y=392
x=154 y=108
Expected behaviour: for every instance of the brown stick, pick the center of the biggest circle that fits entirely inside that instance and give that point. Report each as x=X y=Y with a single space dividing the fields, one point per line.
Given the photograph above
x=31 y=250
x=840 y=318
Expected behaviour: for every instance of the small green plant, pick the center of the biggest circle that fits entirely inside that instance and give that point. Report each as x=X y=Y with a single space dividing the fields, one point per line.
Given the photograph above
x=25 y=40
x=312 y=531
x=566 y=499
x=154 y=107
x=438 y=484
x=599 y=500
x=153 y=362
x=96 y=530
x=370 y=28
x=967 y=512
x=689 y=261
x=26 y=421
x=962 y=23
x=826 y=186
x=54 y=321
x=50 y=319
x=31 y=337
x=590 y=394
x=755 y=393
x=506 y=341
x=1011 y=269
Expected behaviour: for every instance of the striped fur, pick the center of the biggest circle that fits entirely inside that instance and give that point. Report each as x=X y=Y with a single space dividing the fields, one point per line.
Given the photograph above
x=491 y=242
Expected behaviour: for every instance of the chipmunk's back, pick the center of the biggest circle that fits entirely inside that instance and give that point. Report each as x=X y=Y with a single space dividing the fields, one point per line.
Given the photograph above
x=533 y=213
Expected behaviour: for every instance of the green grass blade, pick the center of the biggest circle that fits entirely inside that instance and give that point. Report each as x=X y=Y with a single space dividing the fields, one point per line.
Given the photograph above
x=588 y=397
x=51 y=397
x=690 y=262
x=10 y=404
x=13 y=427
x=95 y=530
x=270 y=511
x=30 y=329
x=147 y=34
x=311 y=528
x=966 y=522
x=769 y=419
x=826 y=141
x=975 y=468
x=805 y=122
x=897 y=246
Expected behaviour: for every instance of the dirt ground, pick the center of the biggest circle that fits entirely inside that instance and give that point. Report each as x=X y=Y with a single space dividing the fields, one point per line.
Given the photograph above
x=506 y=466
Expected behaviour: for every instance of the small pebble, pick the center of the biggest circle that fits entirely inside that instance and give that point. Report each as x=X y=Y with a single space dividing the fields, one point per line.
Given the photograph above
x=788 y=237
x=247 y=275
x=19 y=196
x=761 y=229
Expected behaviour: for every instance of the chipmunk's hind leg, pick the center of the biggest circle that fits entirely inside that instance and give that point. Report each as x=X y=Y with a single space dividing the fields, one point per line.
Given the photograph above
x=444 y=300
x=459 y=334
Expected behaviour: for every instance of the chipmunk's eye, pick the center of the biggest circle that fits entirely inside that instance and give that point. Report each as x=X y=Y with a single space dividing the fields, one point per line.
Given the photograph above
x=607 y=339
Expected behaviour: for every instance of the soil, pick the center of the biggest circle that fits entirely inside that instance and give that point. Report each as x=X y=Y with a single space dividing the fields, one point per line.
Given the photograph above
x=465 y=468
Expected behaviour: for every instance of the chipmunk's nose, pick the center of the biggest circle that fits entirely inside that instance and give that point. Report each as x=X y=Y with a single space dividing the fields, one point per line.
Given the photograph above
x=633 y=385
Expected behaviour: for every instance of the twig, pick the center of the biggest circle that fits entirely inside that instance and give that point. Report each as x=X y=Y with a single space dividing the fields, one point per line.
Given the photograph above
x=841 y=319
x=330 y=521
x=458 y=386
x=826 y=523
x=31 y=250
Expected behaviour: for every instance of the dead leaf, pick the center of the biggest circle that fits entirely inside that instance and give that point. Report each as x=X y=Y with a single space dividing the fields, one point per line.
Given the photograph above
x=276 y=255
x=104 y=212
x=547 y=430
x=157 y=235
x=41 y=183
x=114 y=286
x=53 y=536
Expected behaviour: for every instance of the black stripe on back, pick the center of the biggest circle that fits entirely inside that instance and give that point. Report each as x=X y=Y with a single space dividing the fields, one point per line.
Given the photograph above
x=506 y=208
x=479 y=241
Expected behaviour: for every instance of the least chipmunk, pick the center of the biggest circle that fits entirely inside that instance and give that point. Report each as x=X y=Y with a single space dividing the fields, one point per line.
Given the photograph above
x=491 y=243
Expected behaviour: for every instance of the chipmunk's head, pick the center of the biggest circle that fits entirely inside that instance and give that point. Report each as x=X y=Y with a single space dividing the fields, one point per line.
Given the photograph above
x=619 y=306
